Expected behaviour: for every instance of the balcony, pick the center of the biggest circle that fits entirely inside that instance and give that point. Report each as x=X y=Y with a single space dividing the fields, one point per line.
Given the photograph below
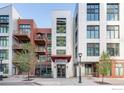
x=40 y=39
x=22 y=36
x=41 y=51
x=17 y=47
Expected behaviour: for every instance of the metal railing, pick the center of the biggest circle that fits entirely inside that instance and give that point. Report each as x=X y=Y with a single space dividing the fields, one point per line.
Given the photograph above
x=21 y=33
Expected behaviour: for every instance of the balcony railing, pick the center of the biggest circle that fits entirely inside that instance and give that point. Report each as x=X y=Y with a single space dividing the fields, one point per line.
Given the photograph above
x=21 y=33
x=37 y=37
x=17 y=46
x=40 y=50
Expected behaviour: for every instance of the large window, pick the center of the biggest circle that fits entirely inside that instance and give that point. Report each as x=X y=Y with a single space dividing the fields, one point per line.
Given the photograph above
x=92 y=49
x=4 y=41
x=4 y=28
x=4 y=54
x=61 y=52
x=119 y=69
x=92 y=31
x=93 y=11
x=26 y=28
x=4 y=18
x=113 y=49
x=61 y=25
x=112 y=11
x=113 y=31
x=61 y=41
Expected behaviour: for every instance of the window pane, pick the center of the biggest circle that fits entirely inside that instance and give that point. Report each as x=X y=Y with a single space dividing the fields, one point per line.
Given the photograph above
x=61 y=25
x=92 y=49
x=92 y=31
x=61 y=52
x=112 y=11
x=92 y=12
x=61 y=41
x=113 y=49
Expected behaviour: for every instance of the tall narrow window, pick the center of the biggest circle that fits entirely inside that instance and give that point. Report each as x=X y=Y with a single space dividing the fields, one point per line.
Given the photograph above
x=93 y=12
x=61 y=25
x=113 y=12
x=49 y=36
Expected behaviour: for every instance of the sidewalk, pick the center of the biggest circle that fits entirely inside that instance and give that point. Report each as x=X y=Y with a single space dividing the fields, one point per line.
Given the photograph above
x=49 y=81
x=112 y=81
x=64 y=81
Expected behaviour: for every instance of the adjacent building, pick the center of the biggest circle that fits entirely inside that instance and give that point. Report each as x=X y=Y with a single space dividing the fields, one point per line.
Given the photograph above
x=99 y=27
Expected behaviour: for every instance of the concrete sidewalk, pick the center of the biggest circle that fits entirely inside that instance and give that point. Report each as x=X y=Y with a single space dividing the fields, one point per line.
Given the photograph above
x=64 y=81
x=111 y=81
x=60 y=81
x=49 y=81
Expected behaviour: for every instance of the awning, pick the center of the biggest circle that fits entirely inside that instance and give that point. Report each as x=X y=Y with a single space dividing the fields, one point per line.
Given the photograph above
x=61 y=57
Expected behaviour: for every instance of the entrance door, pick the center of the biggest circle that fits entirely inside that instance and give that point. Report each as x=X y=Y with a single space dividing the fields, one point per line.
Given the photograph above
x=61 y=71
x=88 y=69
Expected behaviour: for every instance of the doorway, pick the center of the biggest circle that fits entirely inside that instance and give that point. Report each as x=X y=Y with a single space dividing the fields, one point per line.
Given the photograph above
x=88 y=69
x=61 y=71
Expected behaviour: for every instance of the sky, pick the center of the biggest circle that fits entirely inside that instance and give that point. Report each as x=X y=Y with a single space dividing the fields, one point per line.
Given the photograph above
x=41 y=13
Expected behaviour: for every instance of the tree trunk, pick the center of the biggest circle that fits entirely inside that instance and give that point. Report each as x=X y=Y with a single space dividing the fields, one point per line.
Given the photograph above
x=102 y=78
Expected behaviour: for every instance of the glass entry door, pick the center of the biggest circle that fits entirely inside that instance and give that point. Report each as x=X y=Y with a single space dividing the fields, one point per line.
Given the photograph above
x=88 y=69
x=61 y=71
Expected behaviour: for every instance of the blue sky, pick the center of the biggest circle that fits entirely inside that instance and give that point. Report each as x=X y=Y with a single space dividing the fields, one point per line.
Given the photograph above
x=41 y=13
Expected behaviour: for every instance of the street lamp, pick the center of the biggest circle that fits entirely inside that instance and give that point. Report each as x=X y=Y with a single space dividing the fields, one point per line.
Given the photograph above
x=80 y=54
x=1 y=68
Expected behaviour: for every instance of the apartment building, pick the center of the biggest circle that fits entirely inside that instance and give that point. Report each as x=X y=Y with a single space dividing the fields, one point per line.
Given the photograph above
x=62 y=54
x=8 y=23
x=40 y=39
x=14 y=32
x=98 y=27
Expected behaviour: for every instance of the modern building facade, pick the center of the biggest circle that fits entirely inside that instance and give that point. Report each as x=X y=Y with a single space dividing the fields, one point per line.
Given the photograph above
x=14 y=32
x=8 y=23
x=99 y=27
x=62 y=54
x=92 y=29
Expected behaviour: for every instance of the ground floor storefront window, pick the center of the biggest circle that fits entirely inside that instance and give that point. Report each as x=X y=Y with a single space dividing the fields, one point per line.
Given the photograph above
x=5 y=68
x=119 y=69
x=43 y=71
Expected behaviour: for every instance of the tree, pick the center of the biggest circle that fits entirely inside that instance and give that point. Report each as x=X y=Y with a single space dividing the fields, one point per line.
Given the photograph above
x=104 y=65
x=26 y=59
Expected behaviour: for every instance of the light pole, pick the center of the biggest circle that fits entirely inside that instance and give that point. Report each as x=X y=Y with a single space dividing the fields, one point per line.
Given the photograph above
x=1 y=68
x=80 y=54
